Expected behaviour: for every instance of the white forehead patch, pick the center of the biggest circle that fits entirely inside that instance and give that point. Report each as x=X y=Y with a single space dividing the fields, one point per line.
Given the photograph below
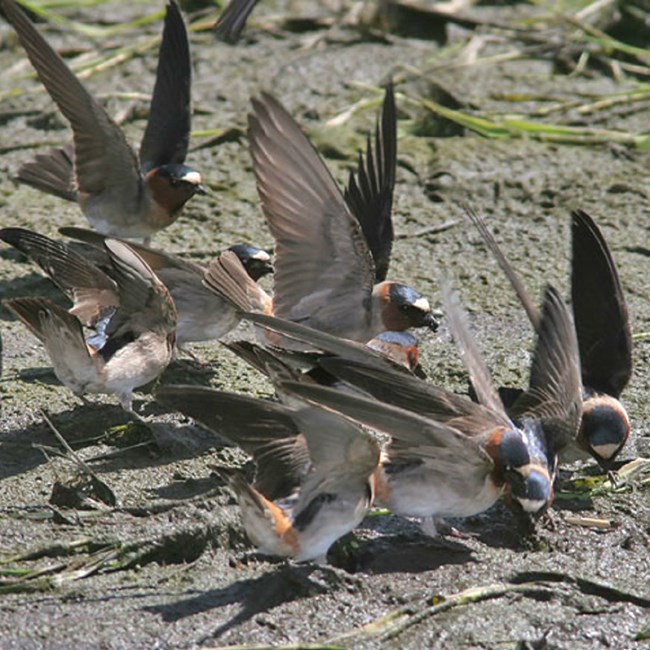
x=530 y=505
x=192 y=177
x=422 y=304
x=606 y=451
x=262 y=256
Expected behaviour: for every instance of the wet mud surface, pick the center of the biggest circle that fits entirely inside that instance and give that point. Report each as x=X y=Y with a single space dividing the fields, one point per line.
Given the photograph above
x=170 y=566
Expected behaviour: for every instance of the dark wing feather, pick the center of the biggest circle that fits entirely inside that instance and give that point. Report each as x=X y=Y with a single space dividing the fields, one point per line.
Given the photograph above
x=411 y=435
x=369 y=193
x=554 y=395
x=145 y=303
x=167 y=135
x=600 y=311
x=90 y=289
x=324 y=272
x=323 y=341
x=265 y=430
x=233 y=20
x=414 y=395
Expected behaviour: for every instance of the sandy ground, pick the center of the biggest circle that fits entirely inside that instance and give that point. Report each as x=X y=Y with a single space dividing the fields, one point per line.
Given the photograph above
x=170 y=566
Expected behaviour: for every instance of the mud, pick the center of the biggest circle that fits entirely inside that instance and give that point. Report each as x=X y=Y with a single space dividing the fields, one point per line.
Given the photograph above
x=170 y=566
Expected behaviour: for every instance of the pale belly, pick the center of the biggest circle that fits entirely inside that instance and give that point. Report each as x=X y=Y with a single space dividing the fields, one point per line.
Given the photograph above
x=422 y=493
x=136 y=364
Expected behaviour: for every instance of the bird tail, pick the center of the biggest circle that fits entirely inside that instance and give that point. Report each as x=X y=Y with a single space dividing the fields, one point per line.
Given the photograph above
x=266 y=524
x=51 y=172
x=62 y=336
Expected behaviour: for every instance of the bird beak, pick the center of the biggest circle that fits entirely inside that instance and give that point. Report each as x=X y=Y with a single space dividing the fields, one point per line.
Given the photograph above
x=430 y=321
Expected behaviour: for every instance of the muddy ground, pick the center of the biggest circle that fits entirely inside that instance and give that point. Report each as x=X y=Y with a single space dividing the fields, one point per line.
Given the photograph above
x=170 y=566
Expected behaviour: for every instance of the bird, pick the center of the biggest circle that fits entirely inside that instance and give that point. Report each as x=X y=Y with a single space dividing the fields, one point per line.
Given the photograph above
x=202 y=315
x=313 y=480
x=119 y=194
x=232 y=20
x=449 y=456
x=603 y=330
x=132 y=313
x=331 y=255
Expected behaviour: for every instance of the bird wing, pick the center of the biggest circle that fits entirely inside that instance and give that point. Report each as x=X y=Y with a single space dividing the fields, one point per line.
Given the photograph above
x=90 y=289
x=369 y=193
x=554 y=395
x=156 y=259
x=62 y=336
x=411 y=434
x=336 y=444
x=324 y=272
x=265 y=430
x=233 y=20
x=600 y=312
x=227 y=277
x=318 y=340
x=413 y=394
x=145 y=303
x=167 y=135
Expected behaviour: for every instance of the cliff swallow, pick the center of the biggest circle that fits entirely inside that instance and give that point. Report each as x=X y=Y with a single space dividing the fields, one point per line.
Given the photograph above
x=313 y=468
x=603 y=329
x=233 y=20
x=449 y=456
x=118 y=194
x=132 y=313
x=325 y=274
x=202 y=315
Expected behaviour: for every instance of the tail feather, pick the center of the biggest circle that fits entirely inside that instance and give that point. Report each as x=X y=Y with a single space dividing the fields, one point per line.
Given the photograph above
x=62 y=336
x=266 y=524
x=51 y=172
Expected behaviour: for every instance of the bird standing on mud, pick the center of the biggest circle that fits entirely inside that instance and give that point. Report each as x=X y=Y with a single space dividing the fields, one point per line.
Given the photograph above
x=314 y=469
x=604 y=334
x=331 y=251
x=118 y=194
x=131 y=312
